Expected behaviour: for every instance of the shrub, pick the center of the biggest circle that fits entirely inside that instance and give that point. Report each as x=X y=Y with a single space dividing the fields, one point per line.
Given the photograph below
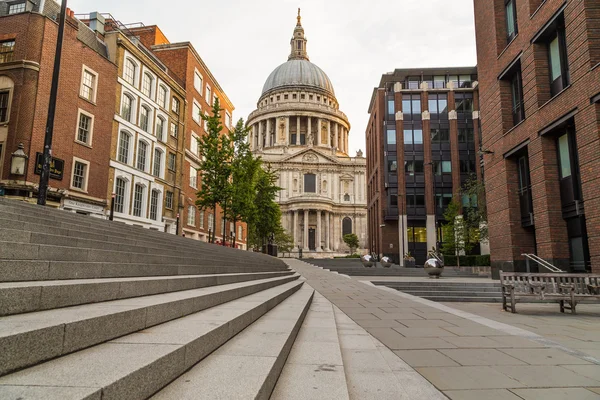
x=467 y=261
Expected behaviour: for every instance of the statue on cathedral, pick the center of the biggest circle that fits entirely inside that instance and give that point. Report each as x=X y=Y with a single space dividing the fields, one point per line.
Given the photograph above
x=310 y=138
x=282 y=130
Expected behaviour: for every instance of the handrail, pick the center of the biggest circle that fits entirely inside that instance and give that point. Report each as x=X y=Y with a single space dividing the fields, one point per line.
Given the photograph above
x=433 y=254
x=542 y=262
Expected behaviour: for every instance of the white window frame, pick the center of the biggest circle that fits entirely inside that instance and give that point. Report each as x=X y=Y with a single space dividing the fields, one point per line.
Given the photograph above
x=211 y=222
x=228 y=120
x=81 y=112
x=194 y=143
x=206 y=122
x=193 y=173
x=158 y=205
x=199 y=87
x=152 y=93
x=143 y=207
x=129 y=150
x=137 y=154
x=161 y=172
x=168 y=159
x=208 y=95
x=17 y=4
x=164 y=104
x=136 y=70
x=191 y=221
x=150 y=126
x=196 y=112
x=172 y=199
x=133 y=116
x=201 y=219
x=176 y=110
x=85 y=69
x=176 y=130
x=160 y=135
x=87 y=174
x=126 y=192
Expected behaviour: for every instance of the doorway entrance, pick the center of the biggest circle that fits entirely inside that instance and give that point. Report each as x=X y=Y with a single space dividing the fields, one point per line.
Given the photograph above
x=312 y=239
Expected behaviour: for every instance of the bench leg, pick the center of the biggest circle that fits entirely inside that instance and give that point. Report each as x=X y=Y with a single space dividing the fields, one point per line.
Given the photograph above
x=573 y=305
x=562 y=306
x=504 y=301
x=512 y=303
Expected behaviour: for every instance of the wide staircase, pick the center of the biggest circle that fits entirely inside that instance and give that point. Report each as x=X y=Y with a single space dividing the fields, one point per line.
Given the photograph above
x=440 y=291
x=94 y=309
x=354 y=267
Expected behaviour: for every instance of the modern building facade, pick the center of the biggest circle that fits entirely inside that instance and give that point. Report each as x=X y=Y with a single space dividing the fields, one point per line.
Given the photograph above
x=83 y=121
x=202 y=89
x=539 y=74
x=422 y=146
x=299 y=130
x=146 y=161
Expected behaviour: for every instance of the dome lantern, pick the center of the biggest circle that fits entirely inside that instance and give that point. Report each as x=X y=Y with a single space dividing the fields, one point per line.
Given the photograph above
x=298 y=42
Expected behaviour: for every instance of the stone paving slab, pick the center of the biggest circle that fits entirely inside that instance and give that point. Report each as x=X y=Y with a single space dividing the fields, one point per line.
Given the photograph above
x=469 y=355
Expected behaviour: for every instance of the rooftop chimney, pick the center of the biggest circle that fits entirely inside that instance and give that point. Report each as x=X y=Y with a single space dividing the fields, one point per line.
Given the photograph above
x=97 y=22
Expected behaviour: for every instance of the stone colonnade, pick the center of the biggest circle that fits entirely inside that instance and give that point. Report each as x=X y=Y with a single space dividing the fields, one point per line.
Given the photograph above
x=301 y=222
x=299 y=130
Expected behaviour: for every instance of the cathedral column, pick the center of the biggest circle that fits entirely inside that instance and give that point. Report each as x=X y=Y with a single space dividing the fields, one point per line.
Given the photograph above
x=268 y=133
x=295 y=228
x=327 y=228
x=318 y=141
x=336 y=143
x=328 y=133
x=253 y=138
x=297 y=130
x=309 y=131
x=287 y=131
x=318 y=241
x=305 y=244
x=260 y=134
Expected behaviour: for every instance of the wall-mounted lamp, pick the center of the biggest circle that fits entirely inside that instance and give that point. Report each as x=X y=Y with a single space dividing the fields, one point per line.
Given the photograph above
x=18 y=161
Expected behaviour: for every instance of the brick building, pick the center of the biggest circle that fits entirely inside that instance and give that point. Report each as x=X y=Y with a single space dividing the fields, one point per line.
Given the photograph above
x=539 y=75
x=426 y=122
x=202 y=89
x=84 y=112
x=146 y=159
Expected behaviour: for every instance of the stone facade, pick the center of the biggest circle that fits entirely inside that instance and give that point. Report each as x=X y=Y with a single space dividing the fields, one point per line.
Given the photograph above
x=300 y=132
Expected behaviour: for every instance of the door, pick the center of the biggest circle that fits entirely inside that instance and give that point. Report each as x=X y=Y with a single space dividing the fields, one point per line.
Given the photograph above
x=311 y=239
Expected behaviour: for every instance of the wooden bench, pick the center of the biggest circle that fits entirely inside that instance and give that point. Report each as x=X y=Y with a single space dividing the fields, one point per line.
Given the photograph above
x=565 y=289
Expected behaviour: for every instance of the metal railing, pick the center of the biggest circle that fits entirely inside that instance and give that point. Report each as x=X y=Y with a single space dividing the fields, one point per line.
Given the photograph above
x=433 y=254
x=540 y=262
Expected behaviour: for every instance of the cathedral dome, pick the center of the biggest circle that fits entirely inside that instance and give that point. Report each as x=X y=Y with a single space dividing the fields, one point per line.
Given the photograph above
x=298 y=73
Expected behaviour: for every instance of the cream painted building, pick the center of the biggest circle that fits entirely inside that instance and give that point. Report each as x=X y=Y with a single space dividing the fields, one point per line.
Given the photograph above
x=299 y=130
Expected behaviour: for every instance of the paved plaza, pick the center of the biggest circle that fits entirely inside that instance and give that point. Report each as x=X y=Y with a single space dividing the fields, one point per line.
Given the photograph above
x=475 y=351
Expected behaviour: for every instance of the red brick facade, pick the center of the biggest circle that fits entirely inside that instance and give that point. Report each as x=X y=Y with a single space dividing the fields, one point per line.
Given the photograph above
x=30 y=71
x=563 y=225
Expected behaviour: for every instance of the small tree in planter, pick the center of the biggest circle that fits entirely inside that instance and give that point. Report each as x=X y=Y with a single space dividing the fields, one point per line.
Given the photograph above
x=352 y=241
x=409 y=260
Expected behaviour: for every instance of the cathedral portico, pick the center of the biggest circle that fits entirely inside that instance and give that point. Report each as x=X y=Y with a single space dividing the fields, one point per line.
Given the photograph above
x=299 y=130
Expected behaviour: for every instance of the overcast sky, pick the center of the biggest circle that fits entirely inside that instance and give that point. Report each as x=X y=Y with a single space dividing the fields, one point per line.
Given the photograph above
x=353 y=41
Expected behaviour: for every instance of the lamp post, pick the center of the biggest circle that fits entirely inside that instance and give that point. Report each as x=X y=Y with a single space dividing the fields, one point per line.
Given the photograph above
x=233 y=239
x=112 y=207
x=18 y=161
x=177 y=226
x=47 y=157
x=209 y=235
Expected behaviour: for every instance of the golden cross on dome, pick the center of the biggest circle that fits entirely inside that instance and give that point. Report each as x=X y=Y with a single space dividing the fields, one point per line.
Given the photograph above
x=299 y=17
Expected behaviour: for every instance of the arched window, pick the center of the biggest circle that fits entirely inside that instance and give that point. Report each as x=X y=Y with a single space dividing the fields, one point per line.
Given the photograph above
x=142 y=155
x=127 y=107
x=310 y=183
x=147 y=84
x=145 y=118
x=129 y=72
x=162 y=96
x=346 y=197
x=346 y=226
x=158 y=160
x=138 y=200
x=154 y=200
x=160 y=128
x=124 y=146
x=120 y=188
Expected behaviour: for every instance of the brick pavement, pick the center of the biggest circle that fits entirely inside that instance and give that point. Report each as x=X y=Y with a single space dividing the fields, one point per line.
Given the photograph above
x=465 y=355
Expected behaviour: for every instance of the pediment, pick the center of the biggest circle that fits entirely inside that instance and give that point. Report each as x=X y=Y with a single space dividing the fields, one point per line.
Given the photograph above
x=310 y=156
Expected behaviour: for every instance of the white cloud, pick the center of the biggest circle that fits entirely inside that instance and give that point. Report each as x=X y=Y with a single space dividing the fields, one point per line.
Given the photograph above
x=353 y=41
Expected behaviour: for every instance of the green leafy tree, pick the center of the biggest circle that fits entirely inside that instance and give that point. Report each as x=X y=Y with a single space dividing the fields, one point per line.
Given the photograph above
x=244 y=167
x=352 y=241
x=452 y=230
x=215 y=152
x=475 y=208
x=266 y=219
x=284 y=241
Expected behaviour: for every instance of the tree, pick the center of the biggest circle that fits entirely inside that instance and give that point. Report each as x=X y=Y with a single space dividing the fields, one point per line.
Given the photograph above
x=475 y=207
x=266 y=219
x=215 y=152
x=284 y=241
x=244 y=167
x=452 y=230
x=352 y=241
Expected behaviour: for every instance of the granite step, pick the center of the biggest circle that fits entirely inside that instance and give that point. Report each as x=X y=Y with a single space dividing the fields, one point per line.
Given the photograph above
x=28 y=339
x=138 y=365
x=314 y=369
x=23 y=297
x=40 y=270
x=253 y=359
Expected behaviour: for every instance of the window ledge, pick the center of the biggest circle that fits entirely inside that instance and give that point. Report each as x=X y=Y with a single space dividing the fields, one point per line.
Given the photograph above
x=89 y=146
x=537 y=9
x=87 y=100
x=595 y=66
x=515 y=127
x=78 y=190
x=507 y=46
x=554 y=97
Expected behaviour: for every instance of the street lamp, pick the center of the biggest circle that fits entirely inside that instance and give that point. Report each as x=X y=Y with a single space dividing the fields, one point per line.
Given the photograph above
x=18 y=161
